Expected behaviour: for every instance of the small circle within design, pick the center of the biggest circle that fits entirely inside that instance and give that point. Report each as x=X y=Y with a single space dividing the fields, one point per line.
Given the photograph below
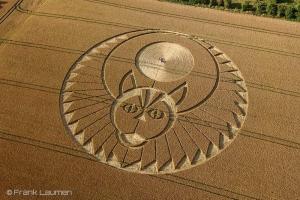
x=165 y=62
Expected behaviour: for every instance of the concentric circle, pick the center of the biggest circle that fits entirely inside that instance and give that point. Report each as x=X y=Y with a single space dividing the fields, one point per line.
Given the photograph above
x=165 y=62
x=160 y=102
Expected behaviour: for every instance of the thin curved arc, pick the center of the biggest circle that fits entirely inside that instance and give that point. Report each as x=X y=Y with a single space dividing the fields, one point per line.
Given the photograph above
x=121 y=88
x=183 y=87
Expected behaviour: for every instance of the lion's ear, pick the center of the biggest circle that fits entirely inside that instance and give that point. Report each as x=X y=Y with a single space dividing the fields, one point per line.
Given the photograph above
x=128 y=82
x=179 y=93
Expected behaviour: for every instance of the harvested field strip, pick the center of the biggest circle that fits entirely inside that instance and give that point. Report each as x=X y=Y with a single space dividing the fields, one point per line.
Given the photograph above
x=137 y=9
x=246 y=133
x=291 y=54
x=5 y=135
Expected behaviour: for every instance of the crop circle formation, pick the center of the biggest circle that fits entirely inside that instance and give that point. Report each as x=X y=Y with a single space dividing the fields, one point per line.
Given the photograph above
x=153 y=101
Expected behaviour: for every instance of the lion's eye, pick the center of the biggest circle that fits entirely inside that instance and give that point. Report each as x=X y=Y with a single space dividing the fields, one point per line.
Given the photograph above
x=156 y=114
x=130 y=108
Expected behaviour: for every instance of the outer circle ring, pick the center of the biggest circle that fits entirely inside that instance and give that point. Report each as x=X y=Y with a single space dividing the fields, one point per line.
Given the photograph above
x=89 y=53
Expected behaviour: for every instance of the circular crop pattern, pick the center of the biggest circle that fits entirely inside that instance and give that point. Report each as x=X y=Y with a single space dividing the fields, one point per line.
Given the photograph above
x=153 y=101
x=165 y=62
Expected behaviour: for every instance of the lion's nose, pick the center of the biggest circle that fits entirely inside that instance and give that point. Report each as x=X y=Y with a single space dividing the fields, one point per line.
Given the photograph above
x=141 y=116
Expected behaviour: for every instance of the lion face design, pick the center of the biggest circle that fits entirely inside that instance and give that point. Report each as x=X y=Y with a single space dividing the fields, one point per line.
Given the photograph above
x=142 y=114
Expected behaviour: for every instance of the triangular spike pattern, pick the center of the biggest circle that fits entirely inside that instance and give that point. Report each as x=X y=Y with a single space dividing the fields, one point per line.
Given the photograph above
x=113 y=160
x=152 y=168
x=73 y=127
x=232 y=130
x=86 y=58
x=218 y=54
x=89 y=147
x=237 y=119
x=80 y=137
x=221 y=141
x=69 y=117
x=95 y=51
x=66 y=96
x=123 y=37
x=67 y=106
x=69 y=85
x=112 y=41
x=207 y=45
x=242 y=108
x=72 y=76
x=184 y=163
x=242 y=85
x=237 y=76
x=237 y=73
x=78 y=67
x=100 y=155
x=232 y=70
x=198 y=39
x=224 y=61
x=197 y=157
x=134 y=166
x=243 y=96
x=103 y=46
x=168 y=166
x=212 y=150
